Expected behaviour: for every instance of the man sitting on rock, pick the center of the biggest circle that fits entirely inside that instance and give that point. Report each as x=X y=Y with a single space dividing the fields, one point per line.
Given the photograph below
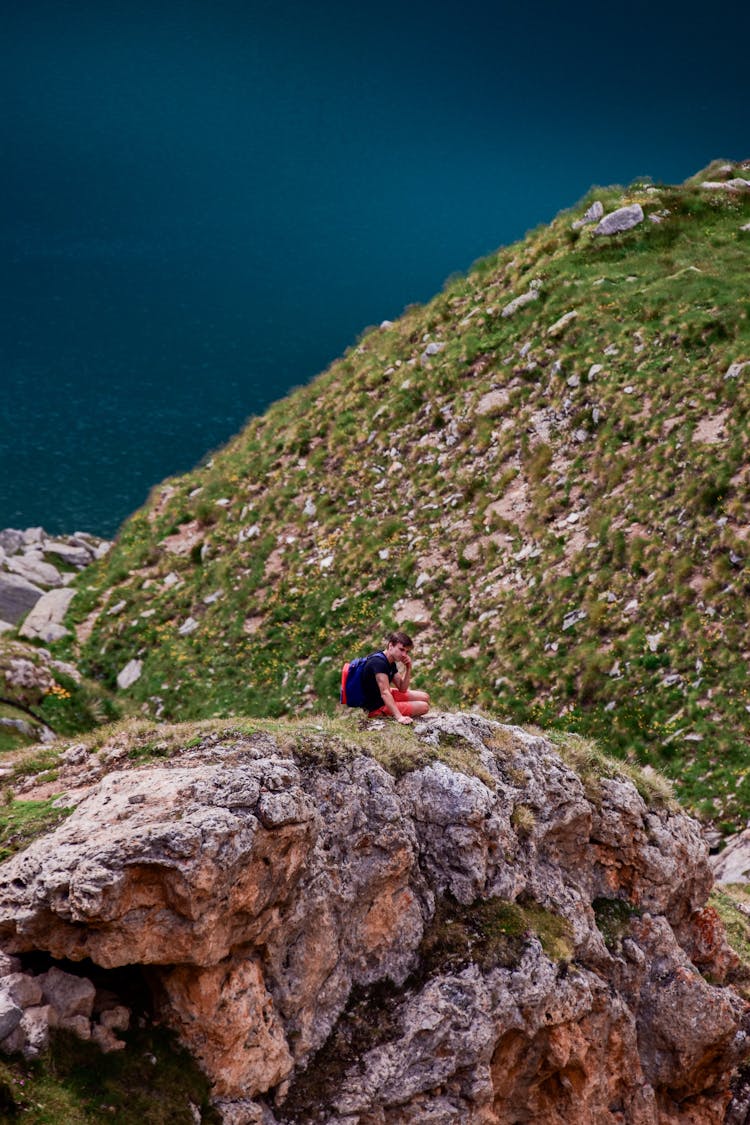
x=381 y=670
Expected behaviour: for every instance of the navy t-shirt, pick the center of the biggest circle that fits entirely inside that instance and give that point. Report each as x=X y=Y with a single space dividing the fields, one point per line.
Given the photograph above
x=376 y=662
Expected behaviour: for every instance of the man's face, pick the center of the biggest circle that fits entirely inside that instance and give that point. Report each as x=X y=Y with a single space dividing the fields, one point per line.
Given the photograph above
x=399 y=652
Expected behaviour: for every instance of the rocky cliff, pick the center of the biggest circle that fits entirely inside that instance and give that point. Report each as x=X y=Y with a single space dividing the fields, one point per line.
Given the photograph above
x=462 y=922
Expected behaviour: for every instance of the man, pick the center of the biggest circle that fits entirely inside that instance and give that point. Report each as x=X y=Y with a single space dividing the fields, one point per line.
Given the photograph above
x=381 y=670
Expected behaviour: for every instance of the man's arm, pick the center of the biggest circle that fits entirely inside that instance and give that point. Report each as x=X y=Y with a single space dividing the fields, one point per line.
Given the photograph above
x=401 y=679
x=386 y=695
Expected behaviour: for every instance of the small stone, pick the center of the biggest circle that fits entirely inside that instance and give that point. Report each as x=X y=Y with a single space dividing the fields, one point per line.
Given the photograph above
x=492 y=404
x=431 y=350
x=116 y=1019
x=526 y=298
x=591 y=215
x=34 y=1026
x=80 y=1026
x=75 y=755
x=106 y=1040
x=560 y=325
x=10 y=1014
x=129 y=674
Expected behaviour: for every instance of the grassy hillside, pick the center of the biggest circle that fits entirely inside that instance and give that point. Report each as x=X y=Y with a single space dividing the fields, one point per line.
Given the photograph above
x=40 y=696
x=551 y=496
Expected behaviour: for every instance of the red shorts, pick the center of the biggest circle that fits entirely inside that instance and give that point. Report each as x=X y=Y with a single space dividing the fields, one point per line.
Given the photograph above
x=402 y=701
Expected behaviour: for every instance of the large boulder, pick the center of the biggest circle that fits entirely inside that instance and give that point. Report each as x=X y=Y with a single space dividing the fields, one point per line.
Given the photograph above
x=45 y=621
x=33 y=567
x=624 y=218
x=17 y=597
x=335 y=943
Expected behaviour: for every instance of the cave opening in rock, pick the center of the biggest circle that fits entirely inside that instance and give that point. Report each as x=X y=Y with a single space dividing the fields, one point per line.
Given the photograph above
x=134 y=986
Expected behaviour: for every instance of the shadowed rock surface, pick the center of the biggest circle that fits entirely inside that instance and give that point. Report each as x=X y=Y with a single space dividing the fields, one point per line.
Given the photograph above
x=336 y=944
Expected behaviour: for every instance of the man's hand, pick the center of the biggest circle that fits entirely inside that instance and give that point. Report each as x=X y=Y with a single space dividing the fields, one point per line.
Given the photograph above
x=405 y=719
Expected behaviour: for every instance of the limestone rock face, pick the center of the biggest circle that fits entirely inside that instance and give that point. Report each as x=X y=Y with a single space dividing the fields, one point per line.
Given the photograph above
x=337 y=944
x=44 y=622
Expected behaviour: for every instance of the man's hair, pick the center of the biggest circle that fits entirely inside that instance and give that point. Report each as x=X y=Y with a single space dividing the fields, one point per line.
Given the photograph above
x=400 y=638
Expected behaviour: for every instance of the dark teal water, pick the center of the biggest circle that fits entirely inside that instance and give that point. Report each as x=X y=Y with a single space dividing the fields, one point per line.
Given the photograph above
x=203 y=204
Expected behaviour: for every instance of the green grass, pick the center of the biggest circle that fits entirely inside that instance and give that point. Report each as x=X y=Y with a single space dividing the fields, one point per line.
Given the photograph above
x=659 y=517
x=10 y=736
x=315 y=740
x=35 y=760
x=152 y=1082
x=732 y=904
x=39 y=691
x=23 y=821
x=612 y=919
x=592 y=765
x=491 y=932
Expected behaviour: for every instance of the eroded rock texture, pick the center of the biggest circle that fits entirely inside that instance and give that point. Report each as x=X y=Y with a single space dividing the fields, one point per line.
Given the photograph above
x=334 y=944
